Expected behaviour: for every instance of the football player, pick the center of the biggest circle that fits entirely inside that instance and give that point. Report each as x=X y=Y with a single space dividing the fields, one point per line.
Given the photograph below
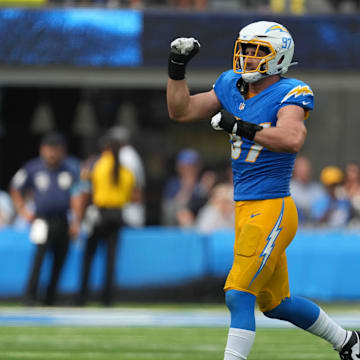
x=264 y=114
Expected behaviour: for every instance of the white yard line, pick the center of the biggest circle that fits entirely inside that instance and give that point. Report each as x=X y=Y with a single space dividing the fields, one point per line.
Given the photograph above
x=141 y=317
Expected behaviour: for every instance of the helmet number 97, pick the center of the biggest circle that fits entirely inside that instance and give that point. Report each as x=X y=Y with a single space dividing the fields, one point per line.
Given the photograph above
x=286 y=42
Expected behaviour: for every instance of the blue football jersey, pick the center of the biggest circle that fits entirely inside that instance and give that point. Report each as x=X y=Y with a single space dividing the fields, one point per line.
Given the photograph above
x=259 y=173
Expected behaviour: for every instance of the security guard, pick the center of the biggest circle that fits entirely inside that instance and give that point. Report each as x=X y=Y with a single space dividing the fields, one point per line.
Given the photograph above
x=47 y=183
x=110 y=186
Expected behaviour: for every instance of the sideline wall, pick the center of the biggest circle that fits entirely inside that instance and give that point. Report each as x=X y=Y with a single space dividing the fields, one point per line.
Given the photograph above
x=323 y=264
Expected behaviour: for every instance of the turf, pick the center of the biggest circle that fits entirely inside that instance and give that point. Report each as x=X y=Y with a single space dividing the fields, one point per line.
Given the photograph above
x=79 y=343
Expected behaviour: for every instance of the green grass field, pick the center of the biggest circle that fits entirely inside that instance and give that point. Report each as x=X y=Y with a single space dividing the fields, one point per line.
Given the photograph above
x=80 y=343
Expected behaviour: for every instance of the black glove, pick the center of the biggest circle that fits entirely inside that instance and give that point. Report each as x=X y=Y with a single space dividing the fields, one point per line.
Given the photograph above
x=226 y=121
x=182 y=51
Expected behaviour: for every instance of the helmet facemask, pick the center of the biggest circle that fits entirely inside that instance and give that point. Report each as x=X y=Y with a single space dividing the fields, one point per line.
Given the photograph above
x=241 y=59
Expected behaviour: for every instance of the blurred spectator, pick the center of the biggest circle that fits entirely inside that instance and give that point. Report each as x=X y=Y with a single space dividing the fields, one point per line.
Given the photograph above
x=334 y=208
x=256 y=5
x=50 y=180
x=305 y=191
x=296 y=7
x=133 y=212
x=7 y=210
x=337 y=5
x=352 y=180
x=129 y=3
x=218 y=213
x=352 y=190
x=115 y=3
x=136 y=3
x=110 y=186
x=188 y=4
x=187 y=215
x=185 y=189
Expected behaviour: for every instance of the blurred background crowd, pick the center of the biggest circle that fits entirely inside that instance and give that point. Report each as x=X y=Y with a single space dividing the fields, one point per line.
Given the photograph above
x=200 y=198
x=298 y=7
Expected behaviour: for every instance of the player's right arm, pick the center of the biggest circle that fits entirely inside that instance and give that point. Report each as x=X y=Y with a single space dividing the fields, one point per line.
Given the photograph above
x=17 y=186
x=182 y=106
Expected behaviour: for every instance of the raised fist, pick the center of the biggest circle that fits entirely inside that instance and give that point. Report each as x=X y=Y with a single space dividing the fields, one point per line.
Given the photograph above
x=185 y=46
x=182 y=50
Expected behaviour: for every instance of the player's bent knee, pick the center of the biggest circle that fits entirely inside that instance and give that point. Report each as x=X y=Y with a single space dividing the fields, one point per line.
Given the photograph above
x=241 y=305
x=300 y=312
x=281 y=311
x=274 y=313
x=236 y=300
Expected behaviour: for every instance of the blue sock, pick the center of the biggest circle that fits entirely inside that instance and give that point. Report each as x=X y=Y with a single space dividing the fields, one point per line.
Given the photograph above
x=242 y=307
x=299 y=311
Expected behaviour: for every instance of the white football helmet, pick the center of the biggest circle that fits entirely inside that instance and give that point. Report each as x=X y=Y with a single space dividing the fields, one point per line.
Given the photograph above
x=274 y=40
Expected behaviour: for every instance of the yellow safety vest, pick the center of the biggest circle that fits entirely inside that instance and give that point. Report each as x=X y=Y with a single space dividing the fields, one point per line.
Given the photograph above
x=106 y=193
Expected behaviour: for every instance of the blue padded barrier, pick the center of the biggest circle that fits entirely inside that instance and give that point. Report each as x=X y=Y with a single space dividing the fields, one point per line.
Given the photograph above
x=145 y=258
x=160 y=256
x=15 y=256
x=220 y=252
x=323 y=264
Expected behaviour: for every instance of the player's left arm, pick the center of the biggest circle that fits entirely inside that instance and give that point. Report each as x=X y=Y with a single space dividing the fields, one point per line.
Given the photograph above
x=289 y=133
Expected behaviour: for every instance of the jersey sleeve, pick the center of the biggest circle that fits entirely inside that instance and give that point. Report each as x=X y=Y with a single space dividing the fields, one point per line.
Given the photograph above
x=299 y=94
x=21 y=179
x=221 y=88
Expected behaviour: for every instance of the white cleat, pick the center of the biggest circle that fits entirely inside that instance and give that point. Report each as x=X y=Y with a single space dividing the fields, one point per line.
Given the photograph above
x=351 y=349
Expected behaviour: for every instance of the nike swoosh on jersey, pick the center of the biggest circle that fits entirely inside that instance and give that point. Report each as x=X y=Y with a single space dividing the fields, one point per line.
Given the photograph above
x=253 y=215
x=306 y=102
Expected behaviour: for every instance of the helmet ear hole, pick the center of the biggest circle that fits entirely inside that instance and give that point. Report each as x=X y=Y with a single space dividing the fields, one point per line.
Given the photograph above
x=281 y=60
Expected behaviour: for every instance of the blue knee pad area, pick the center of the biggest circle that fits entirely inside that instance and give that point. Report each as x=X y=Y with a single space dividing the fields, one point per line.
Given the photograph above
x=242 y=307
x=299 y=311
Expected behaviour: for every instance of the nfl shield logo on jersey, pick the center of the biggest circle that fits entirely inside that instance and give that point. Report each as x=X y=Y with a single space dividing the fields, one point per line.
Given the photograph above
x=242 y=106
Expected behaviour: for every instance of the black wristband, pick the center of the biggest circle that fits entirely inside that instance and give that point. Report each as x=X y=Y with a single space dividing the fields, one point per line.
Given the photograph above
x=176 y=66
x=177 y=62
x=227 y=121
x=246 y=129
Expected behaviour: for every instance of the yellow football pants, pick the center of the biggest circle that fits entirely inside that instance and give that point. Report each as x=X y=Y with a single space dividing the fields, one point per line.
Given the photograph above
x=263 y=230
